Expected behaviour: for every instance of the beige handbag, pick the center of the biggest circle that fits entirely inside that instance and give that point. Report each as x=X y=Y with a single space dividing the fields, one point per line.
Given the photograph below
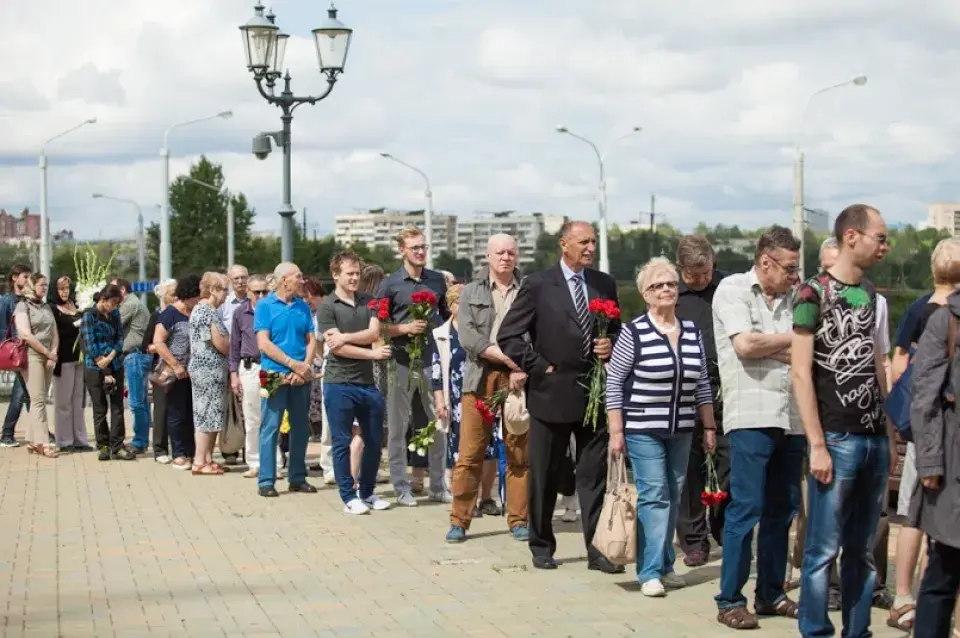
x=234 y=433
x=516 y=418
x=616 y=535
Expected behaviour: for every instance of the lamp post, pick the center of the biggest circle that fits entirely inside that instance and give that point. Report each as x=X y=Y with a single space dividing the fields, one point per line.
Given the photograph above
x=44 y=220
x=601 y=191
x=265 y=46
x=141 y=248
x=798 y=224
x=230 y=218
x=166 y=254
x=428 y=213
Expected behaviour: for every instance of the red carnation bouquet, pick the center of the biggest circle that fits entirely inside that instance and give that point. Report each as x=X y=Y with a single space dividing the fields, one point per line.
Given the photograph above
x=604 y=311
x=421 y=309
x=381 y=309
x=489 y=407
x=712 y=495
x=270 y=382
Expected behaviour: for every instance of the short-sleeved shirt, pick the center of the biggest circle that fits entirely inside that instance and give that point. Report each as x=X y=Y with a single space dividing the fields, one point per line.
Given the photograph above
x=177 y=326
x=42 y=323
x=842 y=318
x=398 y=288
x=757 y=393
x=288 y=325
x=348 y=318
x=909 y=321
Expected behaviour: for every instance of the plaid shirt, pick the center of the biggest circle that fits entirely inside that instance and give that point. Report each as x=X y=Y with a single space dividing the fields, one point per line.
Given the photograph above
x=101 y=335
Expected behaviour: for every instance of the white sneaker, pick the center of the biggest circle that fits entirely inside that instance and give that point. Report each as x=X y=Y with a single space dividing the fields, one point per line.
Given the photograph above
x=673 y=581
x=441 y=497
x=251 y=473
x=281 y=473
x=376 y=503
x=653 y=589
x=569 y=516
x=329 y=478
x=356 y=507
x=163 y=459
x=407 y=499
x=383 y=476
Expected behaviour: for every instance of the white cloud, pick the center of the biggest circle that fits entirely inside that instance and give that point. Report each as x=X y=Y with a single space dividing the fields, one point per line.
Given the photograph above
x=471 y=92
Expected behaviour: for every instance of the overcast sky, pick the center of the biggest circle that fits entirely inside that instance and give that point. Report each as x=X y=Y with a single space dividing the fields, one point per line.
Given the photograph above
x=471 y=91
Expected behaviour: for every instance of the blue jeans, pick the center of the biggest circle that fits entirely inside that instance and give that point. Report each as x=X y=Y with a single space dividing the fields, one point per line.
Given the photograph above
x=844 y=514
x=19 y=399
x=136 y=368
x=765 y=469
x=345 y=402
x=659 y=472
x=294 y=399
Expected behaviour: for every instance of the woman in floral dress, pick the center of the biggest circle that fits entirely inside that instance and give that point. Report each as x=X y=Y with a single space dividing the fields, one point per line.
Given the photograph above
x=449 y=362
x=209 y=345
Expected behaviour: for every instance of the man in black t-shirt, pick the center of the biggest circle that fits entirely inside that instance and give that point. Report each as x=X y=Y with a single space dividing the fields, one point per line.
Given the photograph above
x=839 y=385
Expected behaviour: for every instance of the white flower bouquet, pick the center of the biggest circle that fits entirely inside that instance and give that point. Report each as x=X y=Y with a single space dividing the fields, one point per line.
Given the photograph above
x=91 y=273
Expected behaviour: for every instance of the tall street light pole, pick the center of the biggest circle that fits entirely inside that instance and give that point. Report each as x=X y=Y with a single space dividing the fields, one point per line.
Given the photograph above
x=428 y=213
x=141 y=247
x=230 y=219
x=166 y=252
x=798 y=223
x=265 y=46
x=44 y=219
x=601 y=191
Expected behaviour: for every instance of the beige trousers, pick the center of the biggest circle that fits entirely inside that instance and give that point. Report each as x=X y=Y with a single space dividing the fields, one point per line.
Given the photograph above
x=69 y=425
x=37 y=379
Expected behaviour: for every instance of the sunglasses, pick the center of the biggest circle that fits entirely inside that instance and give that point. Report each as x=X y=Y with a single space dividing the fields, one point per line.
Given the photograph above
x=663 y=285
x=259 y=293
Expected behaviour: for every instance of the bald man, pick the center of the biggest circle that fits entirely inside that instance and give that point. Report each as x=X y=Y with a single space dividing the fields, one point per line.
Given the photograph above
x=483 y=305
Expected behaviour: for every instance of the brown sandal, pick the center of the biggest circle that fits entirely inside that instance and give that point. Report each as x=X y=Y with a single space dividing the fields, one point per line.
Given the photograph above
x=737 y=618
x=902 y=617
x=207 y=470
x=49 y=451
x=786 y=608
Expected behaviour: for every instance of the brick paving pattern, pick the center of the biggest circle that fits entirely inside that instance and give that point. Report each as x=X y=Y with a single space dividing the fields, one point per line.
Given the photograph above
x=138 y=549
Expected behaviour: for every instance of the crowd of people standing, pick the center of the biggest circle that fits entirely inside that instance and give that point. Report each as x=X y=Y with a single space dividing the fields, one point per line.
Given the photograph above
x=779 y=383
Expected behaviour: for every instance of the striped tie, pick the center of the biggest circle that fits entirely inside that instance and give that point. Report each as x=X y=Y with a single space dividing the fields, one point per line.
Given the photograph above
x=583 y=317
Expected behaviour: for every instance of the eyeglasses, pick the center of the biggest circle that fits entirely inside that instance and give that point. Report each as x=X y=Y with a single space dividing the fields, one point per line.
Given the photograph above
x=259 y=293
x=420 y=248
x=790 y=270
x=883 y=240
x=663 y=285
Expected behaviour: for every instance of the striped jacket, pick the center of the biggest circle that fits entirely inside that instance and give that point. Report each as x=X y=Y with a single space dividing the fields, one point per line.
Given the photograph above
x=657 y=391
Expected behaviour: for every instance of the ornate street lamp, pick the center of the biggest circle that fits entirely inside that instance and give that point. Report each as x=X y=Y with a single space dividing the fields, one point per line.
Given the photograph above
x=265 y=45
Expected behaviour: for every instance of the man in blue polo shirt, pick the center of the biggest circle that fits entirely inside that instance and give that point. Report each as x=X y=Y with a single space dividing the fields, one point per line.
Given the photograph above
x=283 y=323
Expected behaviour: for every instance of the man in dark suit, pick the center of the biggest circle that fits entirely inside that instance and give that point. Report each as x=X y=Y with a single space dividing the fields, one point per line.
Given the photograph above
x=552 y=337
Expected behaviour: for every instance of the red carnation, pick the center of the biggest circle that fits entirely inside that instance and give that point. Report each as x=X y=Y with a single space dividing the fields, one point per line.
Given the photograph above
x=596 y=305
x=264 y=379
x=721 y=497
x=706 y=498
x=383 y=315
x=373 y=304
x=485 y=414
x=611 y=309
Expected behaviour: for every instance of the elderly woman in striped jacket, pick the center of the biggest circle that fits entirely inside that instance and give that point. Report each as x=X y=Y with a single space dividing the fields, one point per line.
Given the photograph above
x=657 y=387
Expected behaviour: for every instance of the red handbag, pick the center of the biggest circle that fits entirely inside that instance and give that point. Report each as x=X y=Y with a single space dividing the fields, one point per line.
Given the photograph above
x=13 y=352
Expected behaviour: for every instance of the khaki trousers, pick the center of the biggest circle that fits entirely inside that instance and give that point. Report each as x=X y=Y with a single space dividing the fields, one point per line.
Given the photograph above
x=37 y=379
x=468 y=472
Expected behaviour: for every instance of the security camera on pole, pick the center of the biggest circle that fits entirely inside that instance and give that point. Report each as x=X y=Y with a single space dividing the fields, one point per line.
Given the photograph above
x=265 y=46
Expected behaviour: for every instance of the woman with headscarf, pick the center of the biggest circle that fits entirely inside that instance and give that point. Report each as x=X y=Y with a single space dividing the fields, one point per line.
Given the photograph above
x=69 y=425
x=37 y=328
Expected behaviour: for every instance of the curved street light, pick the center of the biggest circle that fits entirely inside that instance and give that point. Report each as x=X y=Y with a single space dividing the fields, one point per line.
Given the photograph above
x=141 y=248
x=798 y=221
x=44 y=219
x=265 y=46
x=601 y=188
x=428 y=213
x=166 y=254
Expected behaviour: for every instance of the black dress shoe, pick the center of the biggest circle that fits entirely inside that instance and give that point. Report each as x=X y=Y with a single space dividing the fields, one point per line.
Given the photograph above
x=304 y=487
x=544 y=562
x=603 y=565
x=269 y=491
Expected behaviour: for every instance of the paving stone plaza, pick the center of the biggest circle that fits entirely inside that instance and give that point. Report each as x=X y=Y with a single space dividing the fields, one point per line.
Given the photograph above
x=137 y=549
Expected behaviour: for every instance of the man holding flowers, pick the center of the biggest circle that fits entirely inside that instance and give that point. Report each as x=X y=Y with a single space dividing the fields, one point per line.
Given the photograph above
x=349 y=392
x=483 y=306
x=412 y=348
x=283 y=323
x=753 y=327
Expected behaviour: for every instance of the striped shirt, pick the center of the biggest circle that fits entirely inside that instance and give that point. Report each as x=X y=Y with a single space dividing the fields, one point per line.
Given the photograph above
x=657 y=389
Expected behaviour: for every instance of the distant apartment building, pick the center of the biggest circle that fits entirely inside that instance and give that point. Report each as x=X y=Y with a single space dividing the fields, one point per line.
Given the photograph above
x=944 y=216
x=472 y=234
x=20 y=228
x=379 y=227
x=818 y=220
x=462 y=238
